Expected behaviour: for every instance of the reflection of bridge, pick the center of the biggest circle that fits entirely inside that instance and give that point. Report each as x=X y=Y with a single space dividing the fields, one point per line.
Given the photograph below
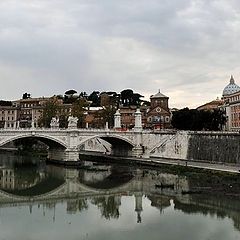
x=75 y=187
x=86 y=184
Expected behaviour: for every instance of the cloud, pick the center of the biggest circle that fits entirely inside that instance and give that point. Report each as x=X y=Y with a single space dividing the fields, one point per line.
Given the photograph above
x=188 y=47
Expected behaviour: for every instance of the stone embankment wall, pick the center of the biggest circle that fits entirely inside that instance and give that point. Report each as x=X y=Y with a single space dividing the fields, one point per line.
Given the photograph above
x=173 y=145
x=221 y=147
x=214 y=147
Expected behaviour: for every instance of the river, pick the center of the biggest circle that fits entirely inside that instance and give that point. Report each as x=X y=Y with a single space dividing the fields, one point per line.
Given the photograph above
x=40 y=201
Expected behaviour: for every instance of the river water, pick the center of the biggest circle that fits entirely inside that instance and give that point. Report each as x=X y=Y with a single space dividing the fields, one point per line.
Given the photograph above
x=39 y=201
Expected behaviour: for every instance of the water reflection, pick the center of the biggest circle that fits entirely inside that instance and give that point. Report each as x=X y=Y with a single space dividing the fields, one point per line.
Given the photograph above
x=109 y=193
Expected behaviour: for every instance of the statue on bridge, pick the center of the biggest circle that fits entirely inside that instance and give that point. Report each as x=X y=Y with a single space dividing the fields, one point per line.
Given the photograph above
x=72 y=122
x=54 y=123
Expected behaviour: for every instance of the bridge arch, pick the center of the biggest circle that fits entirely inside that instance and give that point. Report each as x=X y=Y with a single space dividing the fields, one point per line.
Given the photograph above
x=47 y=139
x=121 y=145
x=121 y=187
x=24 y=194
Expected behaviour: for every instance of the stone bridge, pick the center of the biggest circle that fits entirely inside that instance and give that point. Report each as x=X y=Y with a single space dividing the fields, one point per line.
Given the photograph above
x=64 y=145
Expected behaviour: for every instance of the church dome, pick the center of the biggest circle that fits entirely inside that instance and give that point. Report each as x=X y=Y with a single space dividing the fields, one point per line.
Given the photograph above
x=231 y=87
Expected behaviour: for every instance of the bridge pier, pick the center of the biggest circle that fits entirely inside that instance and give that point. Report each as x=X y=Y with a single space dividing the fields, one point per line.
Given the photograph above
x=137 y=151
x=71 y=155
x=64 y=156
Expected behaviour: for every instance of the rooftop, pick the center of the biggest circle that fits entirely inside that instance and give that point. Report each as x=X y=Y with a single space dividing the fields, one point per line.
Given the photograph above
x=158 y=95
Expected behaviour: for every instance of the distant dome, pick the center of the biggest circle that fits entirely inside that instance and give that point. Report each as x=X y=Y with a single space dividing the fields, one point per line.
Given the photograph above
x=231 y=87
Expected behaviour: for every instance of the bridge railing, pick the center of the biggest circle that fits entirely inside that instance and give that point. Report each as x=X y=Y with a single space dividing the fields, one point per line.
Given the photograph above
x=61 y=129
x=87 y=130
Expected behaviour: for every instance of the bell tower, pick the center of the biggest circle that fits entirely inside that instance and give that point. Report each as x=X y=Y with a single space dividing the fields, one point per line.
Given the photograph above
x=159 y=100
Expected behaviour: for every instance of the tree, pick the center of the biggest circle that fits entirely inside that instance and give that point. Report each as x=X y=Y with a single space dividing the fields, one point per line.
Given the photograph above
x=5 y=103
x=136 y=99
x=94 y=97
x=26 y=96
x=126 y=97
x=69 y=96
x=78 y=110
x=192 y=119
x=63 y=120
x=146 y=103
x=108 y=99
x=83 y=95
x=50 y=110
x=187 y=119
x=70 y=92
x=107 y=115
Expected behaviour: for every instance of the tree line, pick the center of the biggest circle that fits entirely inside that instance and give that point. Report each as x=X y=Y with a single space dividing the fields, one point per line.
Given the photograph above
x=80 y=103
x=127 y=97
x=195 y=120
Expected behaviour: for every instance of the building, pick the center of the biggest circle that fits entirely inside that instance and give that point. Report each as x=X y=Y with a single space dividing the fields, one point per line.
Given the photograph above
x=215 y=104
x=29 y=111
x=158 y=115
x=8 y=116
x=231 y=98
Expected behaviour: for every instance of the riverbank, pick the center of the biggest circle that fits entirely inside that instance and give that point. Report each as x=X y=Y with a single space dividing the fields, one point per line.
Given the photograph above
x=161 y=161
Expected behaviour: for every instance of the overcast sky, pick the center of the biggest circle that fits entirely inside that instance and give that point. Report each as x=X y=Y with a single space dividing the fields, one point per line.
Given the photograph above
x=186 y=48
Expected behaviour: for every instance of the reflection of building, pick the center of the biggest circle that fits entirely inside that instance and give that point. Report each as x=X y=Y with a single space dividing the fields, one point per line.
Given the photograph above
x=11 y=180
x=159 y=114
x=7 y=179
x=231 y=98
x=161 y=202
x=138 y=206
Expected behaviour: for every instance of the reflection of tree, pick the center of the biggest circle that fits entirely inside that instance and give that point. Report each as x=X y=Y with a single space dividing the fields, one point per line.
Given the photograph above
x=221 y=206
x=78 y=205
x=108 y=206
x=82 y=204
